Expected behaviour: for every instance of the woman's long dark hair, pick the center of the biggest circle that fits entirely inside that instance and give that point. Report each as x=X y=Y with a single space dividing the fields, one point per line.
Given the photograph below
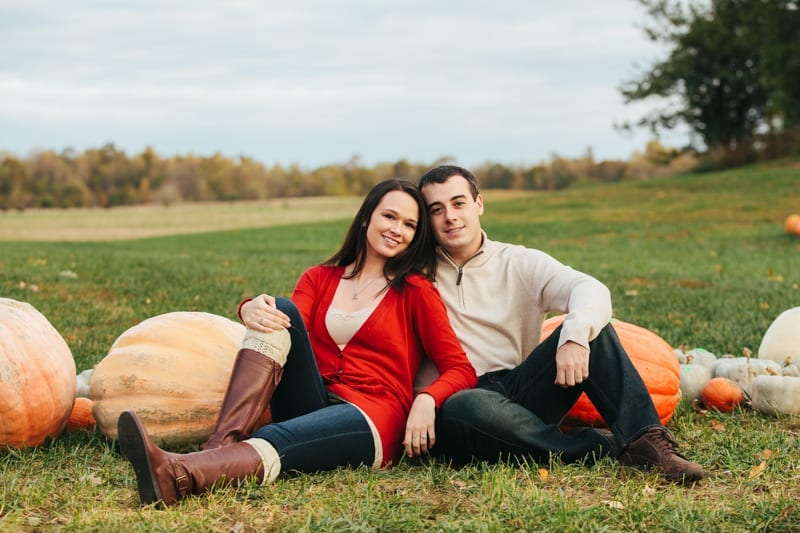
x=419 y=257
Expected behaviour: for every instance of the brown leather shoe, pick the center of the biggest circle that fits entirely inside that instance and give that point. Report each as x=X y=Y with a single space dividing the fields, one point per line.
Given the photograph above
x=657 y=449
x=168 y=477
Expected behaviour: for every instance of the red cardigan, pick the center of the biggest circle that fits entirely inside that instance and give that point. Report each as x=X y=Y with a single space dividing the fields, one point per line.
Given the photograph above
x=375 y=370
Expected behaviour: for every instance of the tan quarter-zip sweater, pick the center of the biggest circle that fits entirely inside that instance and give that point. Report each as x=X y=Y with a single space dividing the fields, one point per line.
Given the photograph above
x=498 y=299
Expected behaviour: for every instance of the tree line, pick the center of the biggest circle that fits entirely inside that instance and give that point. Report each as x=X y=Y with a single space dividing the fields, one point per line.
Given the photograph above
x=107 y=176
x=732 y=76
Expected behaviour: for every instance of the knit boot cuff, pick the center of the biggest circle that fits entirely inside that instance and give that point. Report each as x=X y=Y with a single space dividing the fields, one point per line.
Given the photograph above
x=274 y=345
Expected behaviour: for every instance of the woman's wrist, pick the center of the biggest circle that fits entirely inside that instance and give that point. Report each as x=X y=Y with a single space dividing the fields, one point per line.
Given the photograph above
x=239 y=309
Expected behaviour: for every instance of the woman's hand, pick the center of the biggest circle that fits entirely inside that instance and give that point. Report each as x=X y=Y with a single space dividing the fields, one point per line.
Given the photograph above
x=261 y=314
x=420 y=427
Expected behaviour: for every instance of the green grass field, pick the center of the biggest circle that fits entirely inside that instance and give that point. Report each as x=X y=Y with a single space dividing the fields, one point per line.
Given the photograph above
x=702 y=260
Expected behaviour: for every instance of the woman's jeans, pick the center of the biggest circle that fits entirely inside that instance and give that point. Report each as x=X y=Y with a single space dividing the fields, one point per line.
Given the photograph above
x=309 y=432
x=516 y=414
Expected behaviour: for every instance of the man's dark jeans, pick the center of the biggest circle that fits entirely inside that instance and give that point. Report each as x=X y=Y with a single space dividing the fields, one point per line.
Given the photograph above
x=516 y=414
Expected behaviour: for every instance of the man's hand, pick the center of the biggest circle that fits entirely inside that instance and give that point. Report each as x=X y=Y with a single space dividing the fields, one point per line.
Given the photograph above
x=261 y=314
x=572 y=364
x=420 y=431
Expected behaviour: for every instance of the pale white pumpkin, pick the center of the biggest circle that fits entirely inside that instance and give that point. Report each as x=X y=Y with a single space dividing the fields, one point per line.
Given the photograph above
x=792 y=370
x=775 y=395
x=781 y=341
x=173 y=370
x=694 y=378
x=82 y=382
x=701 y=356
x=743 y=370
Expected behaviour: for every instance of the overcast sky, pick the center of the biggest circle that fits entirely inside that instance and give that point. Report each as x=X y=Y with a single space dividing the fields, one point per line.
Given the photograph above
x=317 y=81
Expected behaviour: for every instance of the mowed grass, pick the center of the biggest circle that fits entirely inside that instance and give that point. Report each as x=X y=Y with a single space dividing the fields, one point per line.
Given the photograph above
x=123 y=223
x=702 y=260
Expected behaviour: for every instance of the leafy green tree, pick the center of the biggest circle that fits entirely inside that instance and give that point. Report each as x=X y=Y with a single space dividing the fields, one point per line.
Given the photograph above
x=724 y=77
x=781 y=60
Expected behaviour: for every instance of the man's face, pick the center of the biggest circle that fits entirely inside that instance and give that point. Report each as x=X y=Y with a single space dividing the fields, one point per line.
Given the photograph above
x=455 y=216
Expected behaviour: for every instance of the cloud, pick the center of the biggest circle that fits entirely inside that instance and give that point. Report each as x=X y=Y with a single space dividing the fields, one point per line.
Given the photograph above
x=315 y=82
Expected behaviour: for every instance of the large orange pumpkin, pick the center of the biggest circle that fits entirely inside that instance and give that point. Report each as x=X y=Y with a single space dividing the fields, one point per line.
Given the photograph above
x=173 y=370
x=37 y=377
x=653 y=358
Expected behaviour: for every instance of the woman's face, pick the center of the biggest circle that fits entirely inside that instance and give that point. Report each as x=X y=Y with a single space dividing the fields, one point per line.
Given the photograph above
x=392 y=225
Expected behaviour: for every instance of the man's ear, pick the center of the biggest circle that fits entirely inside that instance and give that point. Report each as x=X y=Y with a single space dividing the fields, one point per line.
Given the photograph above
x=479 y=201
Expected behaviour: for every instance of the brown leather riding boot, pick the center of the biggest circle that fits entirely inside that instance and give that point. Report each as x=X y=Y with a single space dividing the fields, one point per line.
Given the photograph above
x=168 y=477
x=254 y=379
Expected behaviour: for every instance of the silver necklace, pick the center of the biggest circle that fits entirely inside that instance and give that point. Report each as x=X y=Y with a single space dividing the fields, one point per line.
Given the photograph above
x=357 y=292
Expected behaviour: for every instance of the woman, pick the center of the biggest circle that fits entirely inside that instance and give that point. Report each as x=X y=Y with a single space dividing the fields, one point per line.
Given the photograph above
x=340 y=391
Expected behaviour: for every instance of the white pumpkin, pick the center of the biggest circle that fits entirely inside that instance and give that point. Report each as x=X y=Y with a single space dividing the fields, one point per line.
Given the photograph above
x=173 y=370
x=694 y=378
x=743 y=370
x=701 y=356
x=775 y=395
x=782 y=338
x=82 y=382
x=792 y=370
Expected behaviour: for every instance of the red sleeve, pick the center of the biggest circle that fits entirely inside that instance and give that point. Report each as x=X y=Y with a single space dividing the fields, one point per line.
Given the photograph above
x=305 y=293
x=303 y=296
x=439 y=342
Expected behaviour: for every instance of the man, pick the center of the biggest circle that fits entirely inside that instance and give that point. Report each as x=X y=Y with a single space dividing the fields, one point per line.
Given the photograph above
x=497 y=295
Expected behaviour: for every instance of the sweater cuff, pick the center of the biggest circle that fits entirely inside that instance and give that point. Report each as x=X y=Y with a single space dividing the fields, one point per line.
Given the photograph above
x=239 y=309
x=575 y=331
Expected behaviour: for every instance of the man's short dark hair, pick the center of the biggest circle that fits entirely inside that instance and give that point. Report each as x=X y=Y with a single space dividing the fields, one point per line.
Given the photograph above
x=443 y=173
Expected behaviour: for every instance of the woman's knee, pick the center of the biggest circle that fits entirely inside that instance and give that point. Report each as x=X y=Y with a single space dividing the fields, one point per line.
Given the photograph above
x=288 y=307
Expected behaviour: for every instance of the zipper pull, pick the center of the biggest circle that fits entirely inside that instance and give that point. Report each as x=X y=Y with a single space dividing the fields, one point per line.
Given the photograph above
x=460 y=273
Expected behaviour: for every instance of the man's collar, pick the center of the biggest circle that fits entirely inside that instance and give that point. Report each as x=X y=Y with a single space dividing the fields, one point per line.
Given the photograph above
x=481 y=249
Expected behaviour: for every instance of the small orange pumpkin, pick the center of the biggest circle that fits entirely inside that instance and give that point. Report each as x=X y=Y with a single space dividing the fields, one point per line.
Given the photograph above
x=37 y=377
x=653 y=358
x=81 y=416
x=792 y=224
x=722 y=394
